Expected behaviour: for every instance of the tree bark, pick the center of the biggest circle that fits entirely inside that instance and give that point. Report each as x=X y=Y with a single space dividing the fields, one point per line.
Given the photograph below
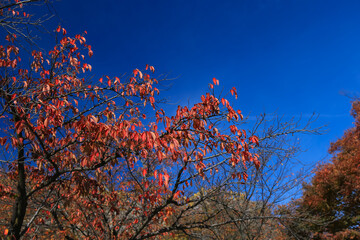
x=20 y=205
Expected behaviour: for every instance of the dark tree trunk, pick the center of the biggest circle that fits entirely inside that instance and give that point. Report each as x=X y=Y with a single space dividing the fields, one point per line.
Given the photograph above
x=20 y=205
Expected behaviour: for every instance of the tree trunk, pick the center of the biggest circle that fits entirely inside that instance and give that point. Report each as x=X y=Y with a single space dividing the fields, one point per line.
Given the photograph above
x=20 y=205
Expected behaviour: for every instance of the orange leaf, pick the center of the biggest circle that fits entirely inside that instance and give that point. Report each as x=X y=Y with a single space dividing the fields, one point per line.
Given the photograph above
x=155 y=174
x=223 y=101
x=166 y=177
x=160 y=179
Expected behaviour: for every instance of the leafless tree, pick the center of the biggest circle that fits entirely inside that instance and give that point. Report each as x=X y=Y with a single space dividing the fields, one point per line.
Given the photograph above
x=248 y=209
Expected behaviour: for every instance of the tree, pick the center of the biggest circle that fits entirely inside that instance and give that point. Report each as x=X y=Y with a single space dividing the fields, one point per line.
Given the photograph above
x=87 y=159
x=72 y=144
x=249 y=210
x=333 y=196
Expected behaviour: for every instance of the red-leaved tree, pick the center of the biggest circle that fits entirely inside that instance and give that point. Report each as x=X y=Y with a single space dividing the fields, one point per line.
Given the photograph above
x=100 y=159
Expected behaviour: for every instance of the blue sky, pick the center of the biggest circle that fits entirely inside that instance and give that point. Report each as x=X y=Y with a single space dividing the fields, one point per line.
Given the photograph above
x=295 y=57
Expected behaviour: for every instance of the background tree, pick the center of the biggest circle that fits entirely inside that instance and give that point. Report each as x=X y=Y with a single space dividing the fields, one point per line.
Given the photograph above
x=333 y=197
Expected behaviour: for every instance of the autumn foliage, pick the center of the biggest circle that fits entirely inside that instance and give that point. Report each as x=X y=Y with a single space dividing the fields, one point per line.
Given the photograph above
x=332 y=199
x=100 y=159
x=91 y=156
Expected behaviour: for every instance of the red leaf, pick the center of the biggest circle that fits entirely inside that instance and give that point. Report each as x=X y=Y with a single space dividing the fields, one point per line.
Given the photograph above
x=135 y=72
x=155 y=174
x=144 y=171
x=215 y=81
x=90 y=53
x=166 y=177
x=160 y=179
x=177 y=194
x=2 y=141
x=234 y=92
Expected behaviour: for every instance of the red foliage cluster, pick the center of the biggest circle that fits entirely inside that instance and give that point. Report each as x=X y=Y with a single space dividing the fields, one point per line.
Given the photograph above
x=85 y=158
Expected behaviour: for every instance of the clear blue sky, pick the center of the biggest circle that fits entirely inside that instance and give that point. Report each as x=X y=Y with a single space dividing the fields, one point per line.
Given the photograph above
x=295 y=57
